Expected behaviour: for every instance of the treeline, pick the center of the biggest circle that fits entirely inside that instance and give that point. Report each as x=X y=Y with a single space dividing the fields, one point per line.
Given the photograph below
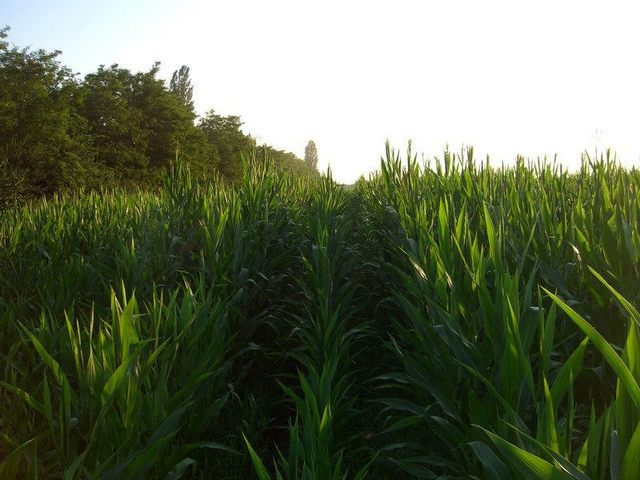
x=112 y=129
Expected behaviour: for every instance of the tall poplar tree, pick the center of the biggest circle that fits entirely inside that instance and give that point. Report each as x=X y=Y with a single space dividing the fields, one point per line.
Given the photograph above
x=311 y=155
x=181 y=85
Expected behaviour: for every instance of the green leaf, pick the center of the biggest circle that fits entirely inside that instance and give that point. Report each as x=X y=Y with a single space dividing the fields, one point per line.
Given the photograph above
x=549 y=425
x=24 y=396
x=261 y=470
x=180 y=468
x=58 y=374
x=561 y=461
x=10 y=462
x=492 y=466
x=568 y=373
x=116 y=381
x=607 y=351
x=527 y=464
x=631 y=460
x=169 y=425
x=635 y=316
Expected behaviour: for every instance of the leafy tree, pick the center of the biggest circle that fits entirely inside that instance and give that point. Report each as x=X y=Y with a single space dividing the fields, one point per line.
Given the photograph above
x=224 y=134
x=137 y=124
x=42 y=139
x=181 y=85
x=167 y=119
x=120 y=139
x=311 y=155
x=114 y=128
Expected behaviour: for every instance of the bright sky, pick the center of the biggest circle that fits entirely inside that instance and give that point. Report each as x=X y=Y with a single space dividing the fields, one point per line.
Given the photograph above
x=507 y=77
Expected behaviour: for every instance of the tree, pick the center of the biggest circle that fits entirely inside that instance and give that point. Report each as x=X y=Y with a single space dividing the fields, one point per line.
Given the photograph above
x=137 y=125
x=114 y=128
x=311 y=155
x=225 y=135
x=181 y=86
x=120 y=140
x=42 y=139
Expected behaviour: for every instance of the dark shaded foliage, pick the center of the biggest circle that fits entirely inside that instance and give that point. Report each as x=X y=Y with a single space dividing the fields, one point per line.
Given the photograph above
x=114 y=128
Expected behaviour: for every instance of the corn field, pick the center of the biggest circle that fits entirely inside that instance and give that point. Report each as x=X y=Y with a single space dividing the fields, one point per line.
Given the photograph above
x=448 y=320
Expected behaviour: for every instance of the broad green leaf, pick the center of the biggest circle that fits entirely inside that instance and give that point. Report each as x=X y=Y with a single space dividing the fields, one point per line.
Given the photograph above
x=607 y=351
x=635 y=316
x=527 y=464
x=493 y=467
x=116 y=381
x=568 y=373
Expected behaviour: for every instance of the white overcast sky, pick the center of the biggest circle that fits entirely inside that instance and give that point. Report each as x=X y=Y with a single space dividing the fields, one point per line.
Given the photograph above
x=507 y=77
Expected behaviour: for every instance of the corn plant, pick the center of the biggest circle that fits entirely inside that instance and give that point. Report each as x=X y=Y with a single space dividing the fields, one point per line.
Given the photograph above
x=441 y=319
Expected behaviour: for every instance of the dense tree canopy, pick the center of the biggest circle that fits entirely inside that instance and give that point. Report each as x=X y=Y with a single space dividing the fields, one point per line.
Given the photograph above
x=227 y=139
x=43 y=139
x=114 y=128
